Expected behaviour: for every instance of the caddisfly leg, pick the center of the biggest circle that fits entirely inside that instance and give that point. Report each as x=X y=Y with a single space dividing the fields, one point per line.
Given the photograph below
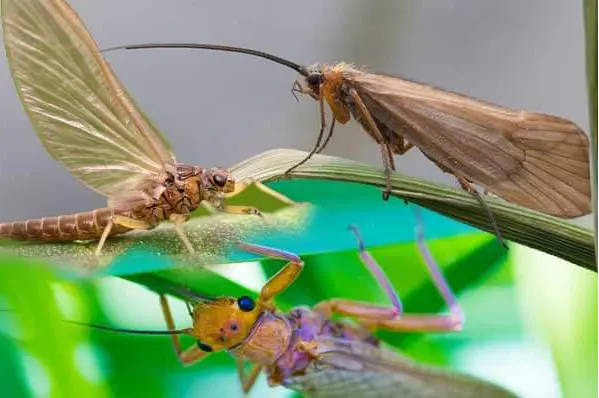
x=467 y=186
x=386 y=153
x=323 y=125
x=298 y=88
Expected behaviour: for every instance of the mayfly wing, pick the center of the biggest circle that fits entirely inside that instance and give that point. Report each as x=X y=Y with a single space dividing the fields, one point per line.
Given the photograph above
x=356 y=369
x=84 y=117
x=536 y=160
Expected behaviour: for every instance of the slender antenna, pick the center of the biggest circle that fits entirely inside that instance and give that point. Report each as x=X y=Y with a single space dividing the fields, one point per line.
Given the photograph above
x=192 y=295
x=131 y=331
x=242 y=50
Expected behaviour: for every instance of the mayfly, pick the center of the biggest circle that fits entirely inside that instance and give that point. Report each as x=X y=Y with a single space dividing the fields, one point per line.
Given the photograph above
x=88 y=122
x=531 y=159
x=308 y=351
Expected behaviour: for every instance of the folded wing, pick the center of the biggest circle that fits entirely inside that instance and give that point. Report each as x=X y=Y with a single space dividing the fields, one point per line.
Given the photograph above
x=535 y=160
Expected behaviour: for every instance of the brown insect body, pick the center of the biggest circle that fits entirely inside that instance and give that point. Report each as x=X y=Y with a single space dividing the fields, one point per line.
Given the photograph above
x=269 y=339
x=536 y=160
x=531 y=159
x=176 y=196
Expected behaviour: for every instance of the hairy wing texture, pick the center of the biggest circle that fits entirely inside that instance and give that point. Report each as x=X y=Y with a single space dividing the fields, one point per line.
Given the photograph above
x=82 y=114
x=354 y=369
x=535 y=160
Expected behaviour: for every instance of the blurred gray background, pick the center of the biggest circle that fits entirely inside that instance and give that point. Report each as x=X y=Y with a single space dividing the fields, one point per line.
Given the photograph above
x=217 y=108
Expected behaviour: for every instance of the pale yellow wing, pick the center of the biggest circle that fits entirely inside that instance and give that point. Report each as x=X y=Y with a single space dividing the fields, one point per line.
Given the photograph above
x=535 y=160
x=351 y=369
x=82 y=114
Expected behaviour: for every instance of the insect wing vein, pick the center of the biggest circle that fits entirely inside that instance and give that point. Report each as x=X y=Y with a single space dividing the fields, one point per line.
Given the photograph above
x=84 y=117
x=490 y=145
x=357 y=369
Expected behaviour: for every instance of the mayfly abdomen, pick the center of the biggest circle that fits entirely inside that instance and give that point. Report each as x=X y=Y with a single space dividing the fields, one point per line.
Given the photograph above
x=80 y=226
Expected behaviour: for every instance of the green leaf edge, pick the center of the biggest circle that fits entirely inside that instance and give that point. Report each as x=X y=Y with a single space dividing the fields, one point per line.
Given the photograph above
x=518 y=224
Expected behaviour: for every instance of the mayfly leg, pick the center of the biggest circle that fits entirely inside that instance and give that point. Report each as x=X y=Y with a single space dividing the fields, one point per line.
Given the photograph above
x=178 y=220
x=117 y=219
x=239 y=188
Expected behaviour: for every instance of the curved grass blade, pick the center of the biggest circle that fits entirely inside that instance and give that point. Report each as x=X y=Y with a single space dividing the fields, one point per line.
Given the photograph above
x=590 y=23
x=528 y=227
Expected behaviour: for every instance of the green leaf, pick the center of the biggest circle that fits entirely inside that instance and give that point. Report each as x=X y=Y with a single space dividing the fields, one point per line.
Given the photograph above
x=531 y=228
x=50 y=357
x=590 y=23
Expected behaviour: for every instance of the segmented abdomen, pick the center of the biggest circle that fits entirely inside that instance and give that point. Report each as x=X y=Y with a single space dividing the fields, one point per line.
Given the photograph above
x=80 y=226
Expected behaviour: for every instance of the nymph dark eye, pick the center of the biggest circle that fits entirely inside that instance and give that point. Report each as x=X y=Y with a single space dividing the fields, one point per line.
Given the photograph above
x=245 y=303
x=219 y=180
x=314 y=79
x=204 y=347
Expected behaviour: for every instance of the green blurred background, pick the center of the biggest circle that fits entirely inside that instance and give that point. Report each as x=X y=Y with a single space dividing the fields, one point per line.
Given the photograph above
x=531 y=321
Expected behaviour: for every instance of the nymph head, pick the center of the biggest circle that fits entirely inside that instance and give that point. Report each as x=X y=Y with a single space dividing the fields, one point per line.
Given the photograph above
x=224 y=323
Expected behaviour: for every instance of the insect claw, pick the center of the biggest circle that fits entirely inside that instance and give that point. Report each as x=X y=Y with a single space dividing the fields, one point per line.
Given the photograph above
x=356 y=232
x=386 y=194
x=293 y=90
x=254 y=212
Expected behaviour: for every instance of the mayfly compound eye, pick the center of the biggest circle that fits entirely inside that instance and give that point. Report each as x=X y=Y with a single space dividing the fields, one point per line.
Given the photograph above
x=219 y=180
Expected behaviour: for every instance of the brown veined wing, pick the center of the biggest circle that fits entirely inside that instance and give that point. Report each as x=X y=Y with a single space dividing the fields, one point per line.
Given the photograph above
x=84 y=117
x=350 y=369
x=532 y=159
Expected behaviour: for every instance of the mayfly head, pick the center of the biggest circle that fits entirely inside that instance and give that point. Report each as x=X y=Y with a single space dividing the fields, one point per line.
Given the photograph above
x=224 y=322
x=218 y=180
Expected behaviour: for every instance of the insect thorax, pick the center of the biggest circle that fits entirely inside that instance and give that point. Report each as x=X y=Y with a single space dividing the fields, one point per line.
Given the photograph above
x=308 y=328
x=268 y=340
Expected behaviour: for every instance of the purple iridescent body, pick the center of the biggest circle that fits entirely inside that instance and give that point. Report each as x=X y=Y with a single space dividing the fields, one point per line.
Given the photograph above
x=330 y=358
x=303 y=329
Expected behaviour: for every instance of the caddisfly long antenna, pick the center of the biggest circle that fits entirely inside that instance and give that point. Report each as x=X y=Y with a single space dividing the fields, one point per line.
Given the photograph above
x=241 y=50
